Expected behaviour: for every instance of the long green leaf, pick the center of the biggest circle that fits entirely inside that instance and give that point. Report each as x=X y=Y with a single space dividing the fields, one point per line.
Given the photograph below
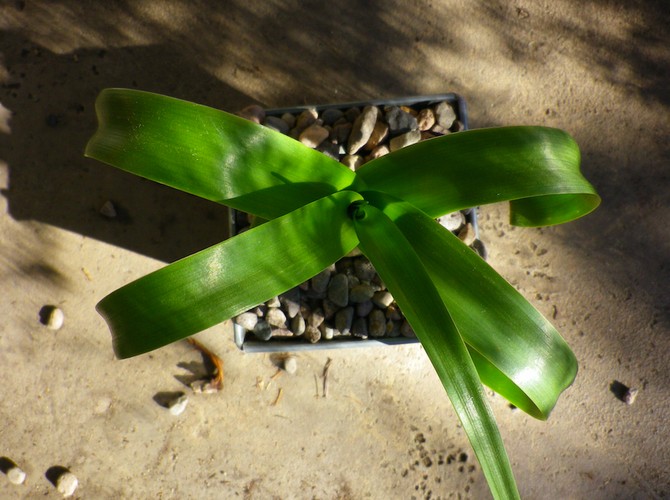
x=537 y=168
x=406 y=278
x=224 y=280
x=210 y=153
x=517 y=351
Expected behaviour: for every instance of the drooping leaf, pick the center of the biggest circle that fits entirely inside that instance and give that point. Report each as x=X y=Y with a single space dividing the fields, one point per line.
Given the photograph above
x=517 y=351
x=406 y=278
x=227 y=279
x=210 y=153
x=536 y=168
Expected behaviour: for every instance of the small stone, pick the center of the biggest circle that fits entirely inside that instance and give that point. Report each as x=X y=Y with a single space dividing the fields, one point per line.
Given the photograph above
x=329 y=149
x=404 y=140
x=276 y=317
x=290 y=365
x=630 y=395
x=353 y=281
x=439 y=130
x=376 y=323
x=327 y=332
x=341 y=132
x=399 y=121
x=15 y=475
x=67 y=483
x=313 y=135
x=378 y=135
x=361 y=293
x=108 y=210
x=306 y=118
x=378 y=152
x=467 y=234
x=290 y=301
x=453 y=221
x=364 y=308
x=392 y=312
x=320 y=281
x=312 y=334
x=331 y=115
x=52 y=317
x=298 y=325
x=344 y=319
x=426 y=119
x=364 y=269
x=359 y=328
x=354 y=162
x=247 y=320
x=316 y=318
x=427 y=135
x=282 y=332
x=276 y=123
x=254 y=113
x=178 y=405
x=329 y=308
x=458 y=126
x=362 y=129
x=392 y=328
x=263 y=330
x=273 y=302
x=382 y=299
x=444 y=115
x=338 y=290
x=406 y=330
x=289 y=118
x=352 y=114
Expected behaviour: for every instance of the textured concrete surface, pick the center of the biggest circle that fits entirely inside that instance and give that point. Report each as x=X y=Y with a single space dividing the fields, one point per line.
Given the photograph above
x=598 y=69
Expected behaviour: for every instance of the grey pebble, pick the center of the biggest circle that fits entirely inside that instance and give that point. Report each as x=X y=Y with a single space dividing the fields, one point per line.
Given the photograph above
x=406 y=330
x=354 y=162
x=331 y=115
x=344 y=319
x=376 y=323
x=52 y=317
x=360 y=328
x=290 y=365
x=298 y=325
x=108 y=210
x=352 y=114
x=15 y=475
x=364 y=308
x=289 y=118
x=316 y=318
x=254 y=113
x=320 y=281
x=425 y=119
x=290 y=301
x=399 y=121
x=361 y=293
x=364 y=269
x=273 y=302
x=277 y=124
x=306 y=118
x=263 y=330
x=444 y=115
x=338 y=290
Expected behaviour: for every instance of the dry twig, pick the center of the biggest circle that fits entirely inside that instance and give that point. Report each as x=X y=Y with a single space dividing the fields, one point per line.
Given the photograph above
x=216 y=382
x=326 y=370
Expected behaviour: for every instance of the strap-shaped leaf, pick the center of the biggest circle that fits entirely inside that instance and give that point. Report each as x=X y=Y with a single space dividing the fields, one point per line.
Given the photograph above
x=518 y=353
x=226 y=279
x=406 y=278
x=210 y=153
x=537 y=168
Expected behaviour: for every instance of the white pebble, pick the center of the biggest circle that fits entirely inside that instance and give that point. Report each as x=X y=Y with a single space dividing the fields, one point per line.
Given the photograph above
x=53 y=317
x=67 y=483
x=178 y=405
x=291 y=365
x=16 y=475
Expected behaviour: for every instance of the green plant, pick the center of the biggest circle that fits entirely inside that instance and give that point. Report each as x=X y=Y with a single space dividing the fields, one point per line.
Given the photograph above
x=474 y=326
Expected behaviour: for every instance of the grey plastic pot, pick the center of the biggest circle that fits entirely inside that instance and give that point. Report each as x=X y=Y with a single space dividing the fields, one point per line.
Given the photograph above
x=248 y=342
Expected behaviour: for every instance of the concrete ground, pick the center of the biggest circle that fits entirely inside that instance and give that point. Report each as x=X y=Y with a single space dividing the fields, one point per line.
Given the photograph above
x=597 y=68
